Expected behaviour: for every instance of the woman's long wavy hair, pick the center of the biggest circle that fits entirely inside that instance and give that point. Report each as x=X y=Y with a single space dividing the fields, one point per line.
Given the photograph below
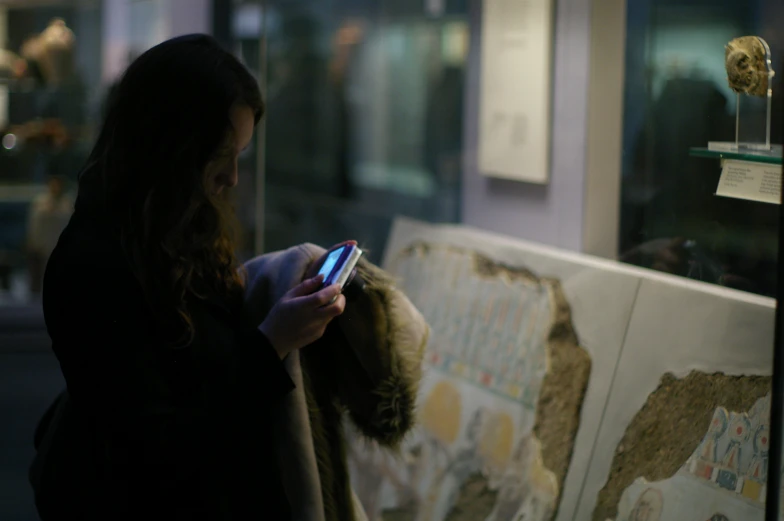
x=167 y=129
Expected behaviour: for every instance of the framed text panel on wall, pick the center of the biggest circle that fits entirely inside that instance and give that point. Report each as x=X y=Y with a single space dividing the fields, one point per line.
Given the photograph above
x=515 y=92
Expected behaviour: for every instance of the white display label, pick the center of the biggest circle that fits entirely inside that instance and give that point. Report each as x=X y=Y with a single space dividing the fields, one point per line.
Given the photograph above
x=514 y=102
x=751 y=181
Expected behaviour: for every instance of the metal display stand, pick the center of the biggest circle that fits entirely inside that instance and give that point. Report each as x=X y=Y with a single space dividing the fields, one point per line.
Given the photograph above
x=740 y=145
x=749 y=167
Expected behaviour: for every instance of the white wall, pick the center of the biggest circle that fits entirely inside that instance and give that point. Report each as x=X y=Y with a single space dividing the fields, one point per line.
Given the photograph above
x=116 y=34
x=189 y=16
x=135 y=25
x=551 y=214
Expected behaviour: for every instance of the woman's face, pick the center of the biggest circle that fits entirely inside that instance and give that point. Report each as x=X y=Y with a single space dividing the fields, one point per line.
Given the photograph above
x=242 y=120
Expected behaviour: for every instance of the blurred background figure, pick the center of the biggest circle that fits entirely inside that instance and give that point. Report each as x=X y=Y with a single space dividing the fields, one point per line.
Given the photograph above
x=367 y=101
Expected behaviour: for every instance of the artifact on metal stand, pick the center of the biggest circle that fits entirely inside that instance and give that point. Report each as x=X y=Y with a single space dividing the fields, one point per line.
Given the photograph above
x=747 y=60
x=749 y=69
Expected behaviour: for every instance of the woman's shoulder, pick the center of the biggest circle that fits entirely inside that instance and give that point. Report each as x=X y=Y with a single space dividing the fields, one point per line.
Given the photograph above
x=87 y=267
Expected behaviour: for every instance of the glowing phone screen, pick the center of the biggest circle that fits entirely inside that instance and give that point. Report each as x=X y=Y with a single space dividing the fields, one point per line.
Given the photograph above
x=329 y=264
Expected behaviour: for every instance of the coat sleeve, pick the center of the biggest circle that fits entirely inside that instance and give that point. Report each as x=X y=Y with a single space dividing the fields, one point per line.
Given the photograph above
x=377 y=347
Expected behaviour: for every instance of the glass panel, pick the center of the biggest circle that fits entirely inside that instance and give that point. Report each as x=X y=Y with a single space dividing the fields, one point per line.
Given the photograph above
x=364 y=120
x=677 y=100
x=50 y=68
x=245 y=30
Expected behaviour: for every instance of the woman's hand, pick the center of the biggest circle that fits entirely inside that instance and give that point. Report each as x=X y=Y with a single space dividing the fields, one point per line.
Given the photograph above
x=301 y=316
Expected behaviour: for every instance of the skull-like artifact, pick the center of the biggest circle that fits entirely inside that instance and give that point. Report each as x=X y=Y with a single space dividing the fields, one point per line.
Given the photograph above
x=746 y=61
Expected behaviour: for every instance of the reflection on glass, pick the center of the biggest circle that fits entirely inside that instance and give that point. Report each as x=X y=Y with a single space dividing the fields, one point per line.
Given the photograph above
x=677 y=96
x=364 y=120
x=49 y=67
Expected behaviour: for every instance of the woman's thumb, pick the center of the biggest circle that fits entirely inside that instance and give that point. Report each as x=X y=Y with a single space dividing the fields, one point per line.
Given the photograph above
x=307 y=286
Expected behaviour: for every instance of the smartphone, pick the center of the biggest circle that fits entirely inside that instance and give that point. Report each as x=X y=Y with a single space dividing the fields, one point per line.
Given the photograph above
x=340 y=264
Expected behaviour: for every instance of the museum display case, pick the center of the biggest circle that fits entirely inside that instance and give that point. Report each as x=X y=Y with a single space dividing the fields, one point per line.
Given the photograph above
x=50 y=62
x=701 y=196
x=702 y=91
x=366 y=102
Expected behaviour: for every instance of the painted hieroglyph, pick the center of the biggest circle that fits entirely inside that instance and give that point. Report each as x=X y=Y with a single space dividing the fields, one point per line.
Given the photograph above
x=723 y=480
x=501 y=350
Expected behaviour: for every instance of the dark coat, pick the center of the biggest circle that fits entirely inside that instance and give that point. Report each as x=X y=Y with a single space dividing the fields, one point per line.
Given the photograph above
x=152 y=432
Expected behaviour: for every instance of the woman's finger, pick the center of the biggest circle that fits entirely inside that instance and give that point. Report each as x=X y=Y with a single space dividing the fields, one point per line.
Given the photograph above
x=323 y=297
x=306 y=287
x=334 y=309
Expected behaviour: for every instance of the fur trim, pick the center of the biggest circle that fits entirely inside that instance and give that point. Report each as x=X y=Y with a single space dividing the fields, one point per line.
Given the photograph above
x=401 y=334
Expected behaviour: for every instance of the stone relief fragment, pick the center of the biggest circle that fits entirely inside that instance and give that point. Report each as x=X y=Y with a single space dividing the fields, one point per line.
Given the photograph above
x=722 y=480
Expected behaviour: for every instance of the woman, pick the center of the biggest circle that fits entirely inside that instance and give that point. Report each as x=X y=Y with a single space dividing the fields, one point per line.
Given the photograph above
x=172 y=391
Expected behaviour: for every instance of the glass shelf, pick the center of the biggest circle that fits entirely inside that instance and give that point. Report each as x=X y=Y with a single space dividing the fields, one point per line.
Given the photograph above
x=772 y=157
